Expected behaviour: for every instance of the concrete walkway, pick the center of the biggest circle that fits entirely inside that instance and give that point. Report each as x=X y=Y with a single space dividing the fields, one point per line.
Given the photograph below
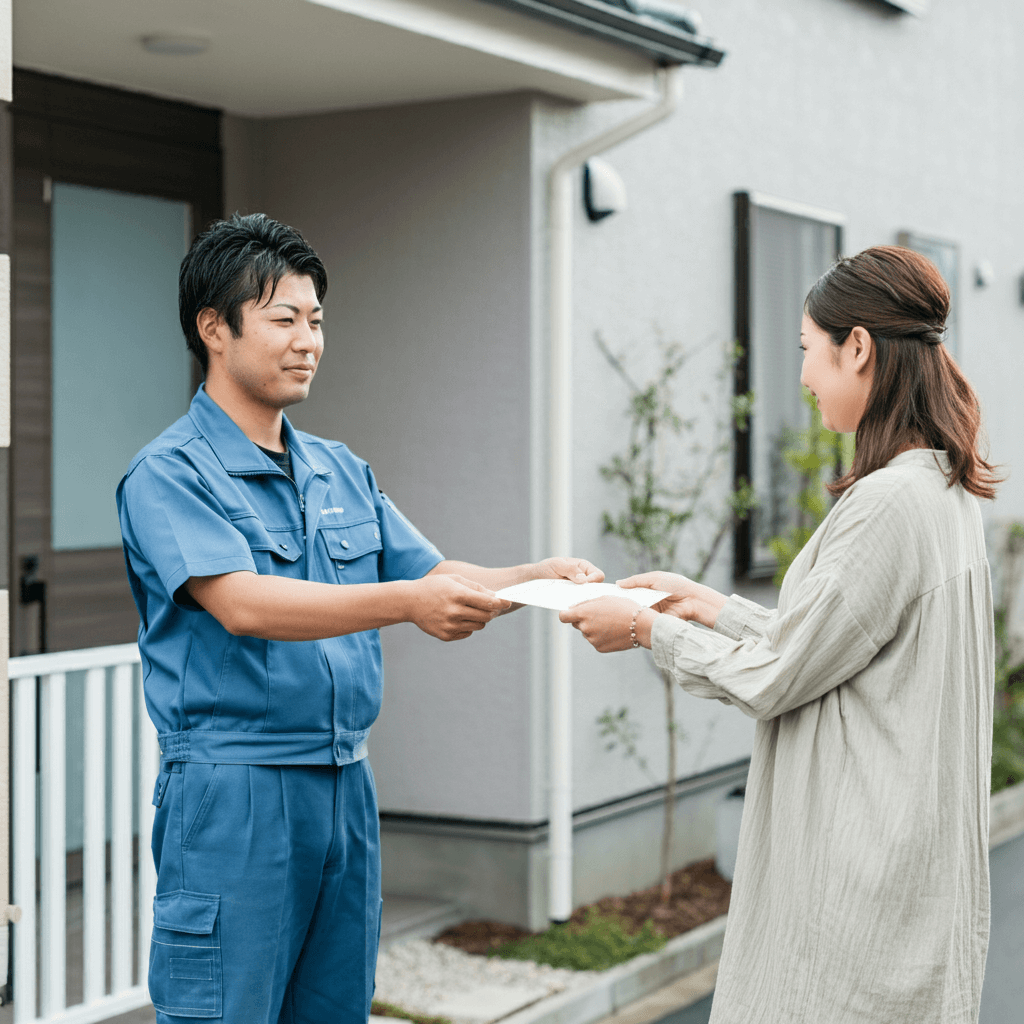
x=696 y=1013
x=1003 y=994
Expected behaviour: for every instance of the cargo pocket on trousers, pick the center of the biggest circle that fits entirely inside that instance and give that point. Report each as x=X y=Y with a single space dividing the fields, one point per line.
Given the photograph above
x=185 y=969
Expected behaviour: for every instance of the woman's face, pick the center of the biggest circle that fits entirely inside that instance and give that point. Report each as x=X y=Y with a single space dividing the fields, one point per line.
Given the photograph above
x=839 y=376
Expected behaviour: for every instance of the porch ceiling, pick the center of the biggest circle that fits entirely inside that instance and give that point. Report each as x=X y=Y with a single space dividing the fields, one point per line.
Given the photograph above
x=271 y=58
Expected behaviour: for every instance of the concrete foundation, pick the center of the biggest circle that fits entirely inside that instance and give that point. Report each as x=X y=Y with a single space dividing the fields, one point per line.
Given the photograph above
x=498 y=870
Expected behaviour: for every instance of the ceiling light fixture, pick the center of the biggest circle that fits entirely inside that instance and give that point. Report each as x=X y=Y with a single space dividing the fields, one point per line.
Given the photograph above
x=175 y=45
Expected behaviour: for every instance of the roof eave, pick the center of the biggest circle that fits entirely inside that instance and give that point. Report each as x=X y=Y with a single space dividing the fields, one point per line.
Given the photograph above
x=660 y=41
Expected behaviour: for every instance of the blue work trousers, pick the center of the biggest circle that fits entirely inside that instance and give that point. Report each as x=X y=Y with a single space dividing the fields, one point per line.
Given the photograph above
x=268 y=894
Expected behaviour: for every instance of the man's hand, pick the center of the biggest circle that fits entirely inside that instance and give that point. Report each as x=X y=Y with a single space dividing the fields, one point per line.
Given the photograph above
x=690 y=601
x=605 y=623
x=452 y=607
x=579 y=570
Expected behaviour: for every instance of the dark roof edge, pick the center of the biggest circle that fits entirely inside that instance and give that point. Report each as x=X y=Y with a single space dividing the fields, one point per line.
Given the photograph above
x=659 y=40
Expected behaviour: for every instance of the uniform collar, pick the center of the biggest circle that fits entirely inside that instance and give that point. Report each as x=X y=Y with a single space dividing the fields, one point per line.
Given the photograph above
x=237 y=454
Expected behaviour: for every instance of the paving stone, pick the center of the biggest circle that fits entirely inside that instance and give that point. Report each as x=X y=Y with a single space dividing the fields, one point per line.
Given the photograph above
x=486 y=1003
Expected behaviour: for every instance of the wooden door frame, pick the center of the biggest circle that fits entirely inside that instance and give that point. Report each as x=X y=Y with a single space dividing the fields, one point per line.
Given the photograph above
x=82 y=134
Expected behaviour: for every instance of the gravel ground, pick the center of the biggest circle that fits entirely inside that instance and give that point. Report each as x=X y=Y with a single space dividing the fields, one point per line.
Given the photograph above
x=423 y=976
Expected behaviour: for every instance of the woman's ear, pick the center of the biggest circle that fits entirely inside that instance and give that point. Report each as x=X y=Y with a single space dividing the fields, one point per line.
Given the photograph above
x=862 y=349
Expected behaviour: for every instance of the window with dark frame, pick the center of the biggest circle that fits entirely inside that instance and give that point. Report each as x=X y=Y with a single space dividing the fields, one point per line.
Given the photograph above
x=781 y=249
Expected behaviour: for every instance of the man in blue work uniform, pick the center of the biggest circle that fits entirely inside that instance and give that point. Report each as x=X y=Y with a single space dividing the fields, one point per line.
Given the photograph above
x=262 y=675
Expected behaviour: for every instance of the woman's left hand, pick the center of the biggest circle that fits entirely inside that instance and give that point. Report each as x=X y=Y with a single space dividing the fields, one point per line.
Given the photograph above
x=605 y=623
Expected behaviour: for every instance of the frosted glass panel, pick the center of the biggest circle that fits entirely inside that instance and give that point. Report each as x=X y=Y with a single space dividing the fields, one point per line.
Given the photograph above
x=120 y=366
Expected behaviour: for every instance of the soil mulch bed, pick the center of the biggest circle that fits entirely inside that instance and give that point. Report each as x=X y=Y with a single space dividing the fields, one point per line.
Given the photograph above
x=699 y=894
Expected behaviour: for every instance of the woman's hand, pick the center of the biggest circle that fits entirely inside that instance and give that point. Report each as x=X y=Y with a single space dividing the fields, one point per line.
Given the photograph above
x=605 y=622
x=690 y=601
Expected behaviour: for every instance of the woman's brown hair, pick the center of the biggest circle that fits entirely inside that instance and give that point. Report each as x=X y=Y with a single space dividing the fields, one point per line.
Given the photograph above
x=918 y=394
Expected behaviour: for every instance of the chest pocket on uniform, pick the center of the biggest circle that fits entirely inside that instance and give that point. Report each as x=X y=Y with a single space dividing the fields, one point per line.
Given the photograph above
x=273 y=550
x=353 y=549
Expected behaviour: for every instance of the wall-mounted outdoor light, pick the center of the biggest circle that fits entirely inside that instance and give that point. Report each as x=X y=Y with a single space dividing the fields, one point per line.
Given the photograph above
x=175 y=45
x=604 y=192
x=984 y=274
x=1020 y=285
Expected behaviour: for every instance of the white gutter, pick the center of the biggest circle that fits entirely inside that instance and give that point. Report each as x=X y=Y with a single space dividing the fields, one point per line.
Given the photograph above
x=560 y=212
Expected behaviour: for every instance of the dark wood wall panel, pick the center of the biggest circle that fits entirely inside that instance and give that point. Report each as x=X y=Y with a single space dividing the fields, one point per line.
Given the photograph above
x=86 y=105
x=31 y=406
x=6 y=245
x=99 y=158
x=90 y=602
x=82 y=134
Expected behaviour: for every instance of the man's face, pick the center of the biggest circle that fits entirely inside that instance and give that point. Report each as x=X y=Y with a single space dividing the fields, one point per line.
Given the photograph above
x=275 y=357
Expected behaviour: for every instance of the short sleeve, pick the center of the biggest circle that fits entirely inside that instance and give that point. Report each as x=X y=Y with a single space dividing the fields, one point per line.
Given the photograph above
x=406 y=554
x=173 y=522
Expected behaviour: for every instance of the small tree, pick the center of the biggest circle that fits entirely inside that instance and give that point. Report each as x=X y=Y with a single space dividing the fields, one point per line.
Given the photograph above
x=660 y=504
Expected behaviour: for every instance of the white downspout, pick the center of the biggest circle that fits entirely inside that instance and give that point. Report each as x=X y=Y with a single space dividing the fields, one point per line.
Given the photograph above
x=560 y=212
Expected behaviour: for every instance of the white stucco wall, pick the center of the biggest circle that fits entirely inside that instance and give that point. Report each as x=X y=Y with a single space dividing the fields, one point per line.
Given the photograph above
x=900 y=123
x=431 y=219
x=421 y=215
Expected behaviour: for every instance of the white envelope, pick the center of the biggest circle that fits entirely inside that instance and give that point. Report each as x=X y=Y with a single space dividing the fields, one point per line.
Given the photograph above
x=563 y=594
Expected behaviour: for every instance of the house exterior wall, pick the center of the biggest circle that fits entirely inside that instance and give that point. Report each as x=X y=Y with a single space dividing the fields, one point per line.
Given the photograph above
x=432 y=222
x=421 y=215
x=898 y=122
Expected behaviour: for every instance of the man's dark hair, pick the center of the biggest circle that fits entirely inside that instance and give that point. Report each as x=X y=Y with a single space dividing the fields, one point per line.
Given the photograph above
x=235 y=261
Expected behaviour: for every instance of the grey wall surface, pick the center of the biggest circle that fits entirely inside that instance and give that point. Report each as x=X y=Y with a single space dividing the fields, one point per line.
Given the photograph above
x=421 y=215
x=432 y=222
x=898 y=122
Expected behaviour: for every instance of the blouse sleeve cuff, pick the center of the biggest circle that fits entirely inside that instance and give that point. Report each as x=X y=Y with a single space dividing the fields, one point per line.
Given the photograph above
x=741 y=619
x=669 y=634
x=663 y=633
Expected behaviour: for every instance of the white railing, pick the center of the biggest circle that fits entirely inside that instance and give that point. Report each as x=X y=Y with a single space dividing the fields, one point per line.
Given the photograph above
x=39 y=814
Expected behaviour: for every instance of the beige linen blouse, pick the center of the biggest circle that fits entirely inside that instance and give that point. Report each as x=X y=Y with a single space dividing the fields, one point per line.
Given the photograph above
x=861 y=891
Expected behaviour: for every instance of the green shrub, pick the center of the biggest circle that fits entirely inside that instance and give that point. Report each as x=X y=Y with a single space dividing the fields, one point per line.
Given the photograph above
x=1008 y=713
x=601 y=941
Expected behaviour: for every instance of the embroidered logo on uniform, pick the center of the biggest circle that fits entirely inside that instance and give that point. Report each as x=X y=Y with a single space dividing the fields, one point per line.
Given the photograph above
x=328 y=511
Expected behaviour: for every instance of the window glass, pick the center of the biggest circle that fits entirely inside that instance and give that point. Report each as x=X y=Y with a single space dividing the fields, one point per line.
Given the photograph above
x=946 y=256
x=121 y=372
x=787 y=253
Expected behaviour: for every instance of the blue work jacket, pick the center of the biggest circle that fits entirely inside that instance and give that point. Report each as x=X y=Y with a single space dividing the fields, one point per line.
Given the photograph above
x=201 y=500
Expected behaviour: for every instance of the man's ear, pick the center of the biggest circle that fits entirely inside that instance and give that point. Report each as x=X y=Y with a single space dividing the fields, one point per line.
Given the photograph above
x=212 y=329
x=862 y=349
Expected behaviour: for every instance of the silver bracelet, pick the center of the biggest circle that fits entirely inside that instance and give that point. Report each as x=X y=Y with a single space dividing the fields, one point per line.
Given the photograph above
x=632 y=629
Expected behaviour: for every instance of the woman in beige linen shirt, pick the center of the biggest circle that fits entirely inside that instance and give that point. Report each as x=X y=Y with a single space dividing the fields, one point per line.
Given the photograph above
x=861 y=888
